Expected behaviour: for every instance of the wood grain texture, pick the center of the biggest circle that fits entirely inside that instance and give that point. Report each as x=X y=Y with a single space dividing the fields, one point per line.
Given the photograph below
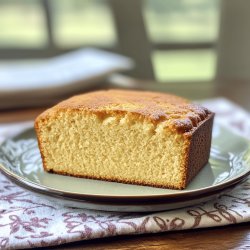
x=228 y=237
x=8 y=116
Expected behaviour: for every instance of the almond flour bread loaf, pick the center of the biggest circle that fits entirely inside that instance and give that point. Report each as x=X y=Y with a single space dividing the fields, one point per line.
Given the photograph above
x=143 y=138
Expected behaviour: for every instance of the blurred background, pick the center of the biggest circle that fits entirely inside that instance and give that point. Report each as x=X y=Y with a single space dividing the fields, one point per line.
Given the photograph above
x=174 y=44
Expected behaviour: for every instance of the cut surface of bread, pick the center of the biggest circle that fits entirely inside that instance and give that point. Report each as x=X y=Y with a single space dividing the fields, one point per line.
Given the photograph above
x=135 y=137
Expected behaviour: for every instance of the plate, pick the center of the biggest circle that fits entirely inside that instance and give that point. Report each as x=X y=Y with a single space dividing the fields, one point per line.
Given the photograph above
x=229 y=163
x=44 y=81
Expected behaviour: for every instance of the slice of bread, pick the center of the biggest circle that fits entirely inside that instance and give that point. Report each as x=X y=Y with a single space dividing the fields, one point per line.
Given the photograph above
x=143 y=138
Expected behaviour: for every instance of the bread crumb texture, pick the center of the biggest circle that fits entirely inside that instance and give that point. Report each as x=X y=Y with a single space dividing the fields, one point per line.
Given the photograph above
x=126 y=136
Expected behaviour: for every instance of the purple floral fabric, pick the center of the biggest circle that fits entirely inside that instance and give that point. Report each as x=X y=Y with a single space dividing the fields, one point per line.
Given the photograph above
x=27 y=220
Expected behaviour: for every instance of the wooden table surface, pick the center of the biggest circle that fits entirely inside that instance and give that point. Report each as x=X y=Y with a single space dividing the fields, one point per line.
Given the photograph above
x=228 y=237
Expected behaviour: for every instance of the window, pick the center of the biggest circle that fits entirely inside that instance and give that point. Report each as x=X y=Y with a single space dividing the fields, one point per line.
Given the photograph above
x=182 y=33
x=184 y=65
x=186 y=32
x=40 y=28
x=182 y=20
x=22 y=24
x=77 y=23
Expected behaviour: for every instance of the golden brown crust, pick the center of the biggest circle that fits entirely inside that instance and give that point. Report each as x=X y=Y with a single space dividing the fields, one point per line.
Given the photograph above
x=178 y=112
x=191 y=120
x=197 y=153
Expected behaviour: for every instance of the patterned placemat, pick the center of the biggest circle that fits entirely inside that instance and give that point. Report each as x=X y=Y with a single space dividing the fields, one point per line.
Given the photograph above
x=27 y=220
